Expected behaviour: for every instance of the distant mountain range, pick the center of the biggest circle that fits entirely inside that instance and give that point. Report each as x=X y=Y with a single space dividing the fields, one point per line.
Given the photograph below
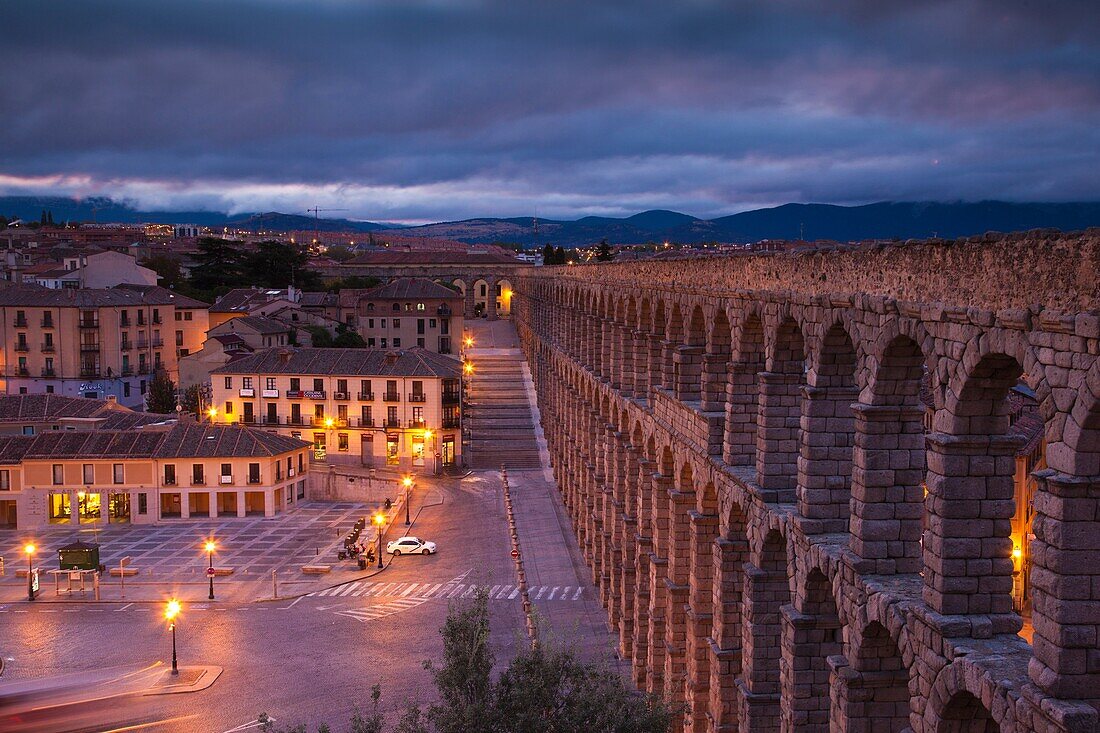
x=886 y=220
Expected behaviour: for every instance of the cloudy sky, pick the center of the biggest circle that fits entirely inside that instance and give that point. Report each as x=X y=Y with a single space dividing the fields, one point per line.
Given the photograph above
x=416 y=110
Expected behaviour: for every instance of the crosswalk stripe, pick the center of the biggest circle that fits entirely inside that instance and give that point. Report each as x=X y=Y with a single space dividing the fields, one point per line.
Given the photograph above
x=347 y=589
x=513 y=594
x=456 y=590
x=565 y=591
x=542 y=590
x=577 y=594
x=503 y=590
x=551 y=596
x=493 y=591
x=410 y=589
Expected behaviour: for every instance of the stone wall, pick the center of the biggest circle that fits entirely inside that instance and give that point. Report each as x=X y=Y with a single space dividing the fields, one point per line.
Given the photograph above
x=777 y=541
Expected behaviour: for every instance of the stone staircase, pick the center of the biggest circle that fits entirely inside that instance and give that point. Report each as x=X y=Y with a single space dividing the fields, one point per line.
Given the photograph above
x=498 y=413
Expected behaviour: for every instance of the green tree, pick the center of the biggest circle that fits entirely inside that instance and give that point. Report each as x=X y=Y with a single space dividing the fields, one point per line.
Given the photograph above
x=348 y=339
x=559 y=256
x=278 y=264
x=191 y=399
x=339 y=253
x=161 y=395
x=604 y=253
x=167 y=268
x=219 y=264
x=463 y=679
x=320 y=336
x=548 y=255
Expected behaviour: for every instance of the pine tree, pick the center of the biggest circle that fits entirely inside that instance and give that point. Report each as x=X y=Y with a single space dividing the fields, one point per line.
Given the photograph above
x=559 y=256
x=604 y=253
x=161 y=397
x=548 y=255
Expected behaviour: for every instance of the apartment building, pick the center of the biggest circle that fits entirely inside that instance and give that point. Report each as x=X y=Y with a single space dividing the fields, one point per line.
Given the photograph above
x=95 y=343
x=371 y=407
x=148 y=475
x=406 y=312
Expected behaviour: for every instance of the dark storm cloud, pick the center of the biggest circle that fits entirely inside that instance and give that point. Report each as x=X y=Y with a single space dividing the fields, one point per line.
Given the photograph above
x=446 y=109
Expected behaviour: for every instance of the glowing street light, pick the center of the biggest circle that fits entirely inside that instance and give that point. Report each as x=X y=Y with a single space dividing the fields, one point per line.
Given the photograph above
x=379 y=519
x=407 y=482
x=171 y=610
x=29 y=548
x=468 y=367
x=329 y=422
x=210 y=547
x=469 y=341
x=213 y=413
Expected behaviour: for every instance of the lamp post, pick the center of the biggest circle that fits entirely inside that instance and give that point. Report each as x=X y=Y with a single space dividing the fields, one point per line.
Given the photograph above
x=210 y=547
x=170 y=612
x=29 y=548
x=213 y=413
x=379 y=520
x=407 y=482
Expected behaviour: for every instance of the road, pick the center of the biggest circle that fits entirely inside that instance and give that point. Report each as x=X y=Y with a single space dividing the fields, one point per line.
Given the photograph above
x=314 y=658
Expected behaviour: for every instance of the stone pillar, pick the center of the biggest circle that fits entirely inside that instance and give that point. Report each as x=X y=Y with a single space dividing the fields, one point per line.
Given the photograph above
x=739 y=445
x=658 y=589
x=700 y=615
x=870 y=700
x=642 y=571
x=715 y=379
x=491 y=298
x=614 y=333
x=240 y=504
x=640 y=340
x=668 y=370
x=967 y=549
x=687 y=372
x=808 y=640
x=654 y=361
x=269 y=503
x=728 y=556
x=185 y=504
x=777 y=444
x=887 y=488
x=627 y=350
x=1065 y=586
x=213 y=511
x=825 y=459
x=679 y=575
x=469 y=301
x=758 y=687
x=628 y=578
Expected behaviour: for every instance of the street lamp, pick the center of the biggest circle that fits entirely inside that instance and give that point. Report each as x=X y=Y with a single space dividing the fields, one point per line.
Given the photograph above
x=29 y=548
x=469 y=341
x=407 y=482
x=170 y=612
x=468 y=367
x=329 y=423
x=209 y=547
x=379 y=520
x=213 y=413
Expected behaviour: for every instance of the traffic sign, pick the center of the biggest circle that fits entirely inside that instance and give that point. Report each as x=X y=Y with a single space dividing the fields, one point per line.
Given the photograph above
x=210 y=571
x=515 y=554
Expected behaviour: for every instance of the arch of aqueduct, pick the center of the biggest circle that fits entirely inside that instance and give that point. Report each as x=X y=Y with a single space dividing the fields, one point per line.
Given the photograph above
x=778 y=540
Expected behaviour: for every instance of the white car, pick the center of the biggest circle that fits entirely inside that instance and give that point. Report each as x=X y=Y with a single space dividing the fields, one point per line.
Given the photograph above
x=410 y=546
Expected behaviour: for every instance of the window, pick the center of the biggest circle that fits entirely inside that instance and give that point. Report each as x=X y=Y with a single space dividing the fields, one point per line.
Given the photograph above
x=58 y=474
x=28 y=430
x=227 y=470
x=318 y=385
x=420 y=325
x=391 y=417
x=418 y=415
x=253 y=473
x=342 y=412
x=228 y=408
x=117 y=473
x=141 y=318
x=270 y=382
x=295 y=384
x=384 y=342
x=364 y=386
x=5 y=480
x=366 y=417
x=246 y=382
x=301 y=462
x=420 y=306
x=229 y=382
x=342 y=441
x=397 y=323
x=420 y=343
x=170 y=475
x=408 y=306
x=143 y=504
x=125 y=389
x=370 y=306
x=370 y=323
x=397 y=306
x=396 y=343
x=342 y=386
x=187 y=316
x=418 y=387
x=197 y=474
x=431 y=323
x=179 y=337
x=179 y=315
x=370 y=343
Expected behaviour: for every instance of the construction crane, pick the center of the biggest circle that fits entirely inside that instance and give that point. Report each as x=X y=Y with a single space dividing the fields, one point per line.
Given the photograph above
x=316 y=211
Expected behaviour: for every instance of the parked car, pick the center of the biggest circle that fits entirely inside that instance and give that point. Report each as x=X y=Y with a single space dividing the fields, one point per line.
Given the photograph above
x=410 y=546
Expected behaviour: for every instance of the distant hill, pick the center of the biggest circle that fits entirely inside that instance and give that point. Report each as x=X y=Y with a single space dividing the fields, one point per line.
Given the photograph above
x=108 y=210
x=885 y=220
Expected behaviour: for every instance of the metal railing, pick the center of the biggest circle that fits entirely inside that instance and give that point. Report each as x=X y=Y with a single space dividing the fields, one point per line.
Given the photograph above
x=417 y=397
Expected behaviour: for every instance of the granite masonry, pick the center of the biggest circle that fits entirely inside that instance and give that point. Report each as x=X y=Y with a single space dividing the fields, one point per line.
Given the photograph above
x=779 y=540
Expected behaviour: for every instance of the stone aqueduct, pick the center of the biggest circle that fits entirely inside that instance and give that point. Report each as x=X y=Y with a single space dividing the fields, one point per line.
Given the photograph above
x=778 y=540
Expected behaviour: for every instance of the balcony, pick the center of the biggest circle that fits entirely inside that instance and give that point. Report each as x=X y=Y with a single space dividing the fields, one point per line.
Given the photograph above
x=88 y=323
x=366 y=396
x=20 y=322
x=124 y=323
x=364 y=422
x=142 y=369
x=443 y=310
x=329 y=422
x=48 y=348
x=253 y=479
x=151 y=343
x=22 y=346
x=126 y=371
x=47 y=323
x=89 y=346
x=417 y=397
x=21 y=371
x=451 y=422
x=169 y=481
x=391 y=397
x=126 y=345
x=395 y=423
x=296 y=420
x=451 y=398
x=271 y=419
x=248 y=419
x=49 y=372
x=157 y=320
x=417 y=424
x=198 y=481
x=341 y=396
x=89 y=372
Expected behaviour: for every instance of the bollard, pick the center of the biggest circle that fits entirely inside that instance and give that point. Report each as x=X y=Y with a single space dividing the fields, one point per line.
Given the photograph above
x=274 y=585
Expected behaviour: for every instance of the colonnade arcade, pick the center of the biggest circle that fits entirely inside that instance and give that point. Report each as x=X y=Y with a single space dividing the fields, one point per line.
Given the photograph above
x=779 y=542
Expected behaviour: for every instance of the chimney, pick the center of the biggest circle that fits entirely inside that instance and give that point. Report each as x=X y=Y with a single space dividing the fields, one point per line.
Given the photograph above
x=391 y=358
x=284 y=356
x=112 y=399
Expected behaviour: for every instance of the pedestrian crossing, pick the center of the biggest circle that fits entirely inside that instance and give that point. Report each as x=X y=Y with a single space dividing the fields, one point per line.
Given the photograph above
x=448 y=590
x=372 y=613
